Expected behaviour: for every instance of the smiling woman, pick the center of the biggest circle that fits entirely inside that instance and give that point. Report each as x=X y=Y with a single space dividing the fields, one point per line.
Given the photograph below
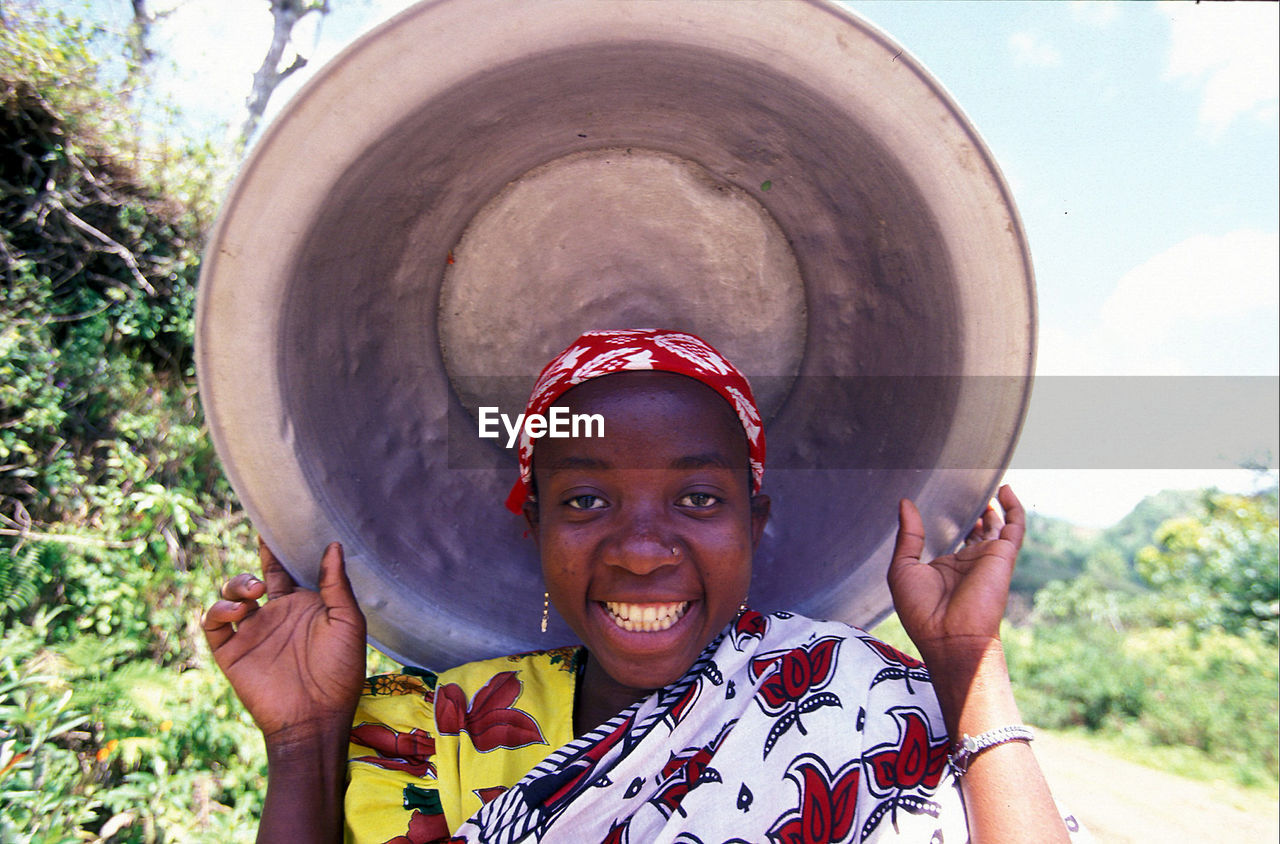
x=653 y=522
x=685 y=715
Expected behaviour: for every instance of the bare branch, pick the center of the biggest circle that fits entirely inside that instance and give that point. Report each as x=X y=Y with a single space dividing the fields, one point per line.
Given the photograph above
x=298 y=64
x=112 y=247
x=285 y=15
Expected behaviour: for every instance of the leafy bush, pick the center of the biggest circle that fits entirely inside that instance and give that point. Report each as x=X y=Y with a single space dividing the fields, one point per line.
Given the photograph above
x=1220 y=567
x=1213 y=691
x=115 y=522
x=128 y=748
x=24 y=575
x=1053 y=550
x=39 y=775
x=1075 y=675
x=98 y=287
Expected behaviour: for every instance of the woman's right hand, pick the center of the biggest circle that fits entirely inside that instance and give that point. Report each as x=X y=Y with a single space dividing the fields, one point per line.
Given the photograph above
x=298 y=661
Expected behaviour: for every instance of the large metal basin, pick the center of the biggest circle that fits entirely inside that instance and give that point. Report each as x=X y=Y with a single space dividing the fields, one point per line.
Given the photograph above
x=476 y=182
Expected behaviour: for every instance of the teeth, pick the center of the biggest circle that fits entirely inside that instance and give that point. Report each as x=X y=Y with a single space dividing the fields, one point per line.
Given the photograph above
x=646 y=618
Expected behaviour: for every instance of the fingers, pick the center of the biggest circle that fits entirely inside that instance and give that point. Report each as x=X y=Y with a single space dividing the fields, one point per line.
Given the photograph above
x=335 y=588
x=1015 y=518
x=991 y=522
x=243 y=587
x=279 y=581
x=909 y=544
x=219 y=619
x=988 y=526
x=240 y=597
x=981 y=530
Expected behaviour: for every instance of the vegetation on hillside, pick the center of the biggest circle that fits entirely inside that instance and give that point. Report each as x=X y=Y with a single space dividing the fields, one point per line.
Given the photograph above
x=1173 y=644
x=116 y=524
x=115 y=521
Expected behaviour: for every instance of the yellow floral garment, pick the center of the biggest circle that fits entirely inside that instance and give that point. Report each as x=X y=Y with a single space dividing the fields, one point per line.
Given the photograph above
x=427 y=751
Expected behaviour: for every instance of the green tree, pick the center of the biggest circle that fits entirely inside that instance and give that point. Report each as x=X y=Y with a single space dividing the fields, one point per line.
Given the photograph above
x=1136 y=530
x=1220 y=566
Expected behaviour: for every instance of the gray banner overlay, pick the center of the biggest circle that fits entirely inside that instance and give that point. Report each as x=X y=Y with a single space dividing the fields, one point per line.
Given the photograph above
x=903 y=422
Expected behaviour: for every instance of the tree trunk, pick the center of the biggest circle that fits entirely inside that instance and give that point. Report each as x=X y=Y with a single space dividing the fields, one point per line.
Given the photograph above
x=137 y=72
x=140 y=52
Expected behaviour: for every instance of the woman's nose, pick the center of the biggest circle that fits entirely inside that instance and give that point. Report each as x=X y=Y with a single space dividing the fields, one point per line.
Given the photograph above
x=642 y=546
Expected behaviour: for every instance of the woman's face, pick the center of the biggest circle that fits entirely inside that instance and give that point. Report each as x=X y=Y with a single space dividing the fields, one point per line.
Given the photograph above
x=646 y=534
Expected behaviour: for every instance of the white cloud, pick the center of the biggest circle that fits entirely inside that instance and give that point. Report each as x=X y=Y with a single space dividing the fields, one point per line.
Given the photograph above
x=1232 y=52
x=1096 y=13
x=1030 y=49
x=1206 y=306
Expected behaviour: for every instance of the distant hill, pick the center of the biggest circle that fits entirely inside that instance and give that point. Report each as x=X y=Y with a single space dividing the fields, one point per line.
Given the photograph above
x=1056 y=549
x=1135 y=530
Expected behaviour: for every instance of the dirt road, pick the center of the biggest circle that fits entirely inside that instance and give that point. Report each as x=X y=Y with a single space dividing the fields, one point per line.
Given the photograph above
x=1121 y=801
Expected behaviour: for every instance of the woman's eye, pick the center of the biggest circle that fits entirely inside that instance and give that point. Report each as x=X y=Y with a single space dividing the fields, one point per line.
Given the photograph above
x=585 y=502
x=698 y=500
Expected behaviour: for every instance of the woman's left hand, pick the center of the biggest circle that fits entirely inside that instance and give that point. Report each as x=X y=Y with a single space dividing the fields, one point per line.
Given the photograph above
x=956 y=601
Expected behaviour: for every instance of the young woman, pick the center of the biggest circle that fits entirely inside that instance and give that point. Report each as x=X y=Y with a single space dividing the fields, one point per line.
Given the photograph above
x=686 y=716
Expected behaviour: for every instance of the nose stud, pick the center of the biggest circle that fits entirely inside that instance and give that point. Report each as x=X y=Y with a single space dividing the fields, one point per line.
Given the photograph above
x=675 y=552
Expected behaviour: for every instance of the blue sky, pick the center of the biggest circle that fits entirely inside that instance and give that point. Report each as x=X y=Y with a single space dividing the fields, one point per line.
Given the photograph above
x=1127 y=130
x=1140 y=141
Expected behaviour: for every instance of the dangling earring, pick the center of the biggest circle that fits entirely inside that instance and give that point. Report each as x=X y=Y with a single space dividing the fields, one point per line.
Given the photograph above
x=546 y=602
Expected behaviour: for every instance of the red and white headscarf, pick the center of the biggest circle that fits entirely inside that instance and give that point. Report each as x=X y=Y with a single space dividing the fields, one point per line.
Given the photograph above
x=598 y=353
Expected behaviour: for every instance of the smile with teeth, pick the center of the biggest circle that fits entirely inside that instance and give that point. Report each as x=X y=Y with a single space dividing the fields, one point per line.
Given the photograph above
x=645 y=618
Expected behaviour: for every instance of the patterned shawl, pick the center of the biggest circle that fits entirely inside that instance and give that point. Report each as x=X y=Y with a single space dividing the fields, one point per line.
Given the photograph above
x=784 y=730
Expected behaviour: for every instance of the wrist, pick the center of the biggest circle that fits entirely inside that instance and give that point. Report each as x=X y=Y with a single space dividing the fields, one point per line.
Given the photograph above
x=306 y=780
x=303 y=745
x=971 y=681
x=960 y=650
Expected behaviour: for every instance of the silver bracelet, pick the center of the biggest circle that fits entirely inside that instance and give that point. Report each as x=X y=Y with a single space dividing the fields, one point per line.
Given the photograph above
x=970 y=746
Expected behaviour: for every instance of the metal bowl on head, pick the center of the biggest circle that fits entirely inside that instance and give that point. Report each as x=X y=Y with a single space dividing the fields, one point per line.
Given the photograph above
x=472 y=185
